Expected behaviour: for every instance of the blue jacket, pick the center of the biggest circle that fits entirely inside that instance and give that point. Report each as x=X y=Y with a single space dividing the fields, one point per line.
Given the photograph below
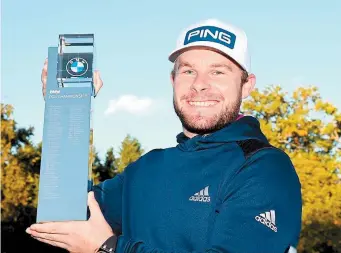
x=229 y=191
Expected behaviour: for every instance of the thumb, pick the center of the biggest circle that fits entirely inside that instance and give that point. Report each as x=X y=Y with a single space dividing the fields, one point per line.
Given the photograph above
x=98 y=83
x=95 y=210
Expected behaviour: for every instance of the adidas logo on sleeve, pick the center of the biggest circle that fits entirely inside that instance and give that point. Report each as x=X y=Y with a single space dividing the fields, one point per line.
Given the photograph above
x=201 y=196
x=268 y=219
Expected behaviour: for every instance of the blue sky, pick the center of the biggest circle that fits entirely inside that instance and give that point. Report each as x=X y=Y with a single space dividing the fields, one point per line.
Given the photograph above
x=292 y=43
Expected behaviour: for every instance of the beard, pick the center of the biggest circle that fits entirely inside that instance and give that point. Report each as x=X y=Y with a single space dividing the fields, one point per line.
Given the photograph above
x=199 y=125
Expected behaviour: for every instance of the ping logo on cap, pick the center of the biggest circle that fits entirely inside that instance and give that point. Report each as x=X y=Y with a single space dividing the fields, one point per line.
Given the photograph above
x=212 y=34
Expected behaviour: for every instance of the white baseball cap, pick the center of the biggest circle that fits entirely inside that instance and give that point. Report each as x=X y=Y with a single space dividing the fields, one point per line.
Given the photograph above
x=212 y=33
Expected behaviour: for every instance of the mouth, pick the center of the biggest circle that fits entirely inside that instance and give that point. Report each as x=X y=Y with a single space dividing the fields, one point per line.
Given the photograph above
x=207 y=103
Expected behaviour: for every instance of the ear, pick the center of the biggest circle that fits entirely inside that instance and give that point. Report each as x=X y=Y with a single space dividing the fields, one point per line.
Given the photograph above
x=172 y=77
x=248 y=86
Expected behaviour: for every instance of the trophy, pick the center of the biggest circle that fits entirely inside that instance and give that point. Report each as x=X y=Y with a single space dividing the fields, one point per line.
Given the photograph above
x=66 y=165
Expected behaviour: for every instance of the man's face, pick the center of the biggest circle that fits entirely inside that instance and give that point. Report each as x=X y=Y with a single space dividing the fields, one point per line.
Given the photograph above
x=207 y=90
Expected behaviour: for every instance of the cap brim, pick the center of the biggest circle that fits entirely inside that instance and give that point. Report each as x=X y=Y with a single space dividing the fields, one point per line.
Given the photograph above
x=175 y=54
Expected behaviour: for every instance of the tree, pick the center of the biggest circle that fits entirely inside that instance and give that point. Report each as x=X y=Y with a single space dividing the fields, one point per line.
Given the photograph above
x=20 y=161
x=105 y=170
x=309 y=131
x=130 y=151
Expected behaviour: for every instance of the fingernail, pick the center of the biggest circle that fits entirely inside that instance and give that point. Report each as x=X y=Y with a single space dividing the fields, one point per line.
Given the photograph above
x=28 y=230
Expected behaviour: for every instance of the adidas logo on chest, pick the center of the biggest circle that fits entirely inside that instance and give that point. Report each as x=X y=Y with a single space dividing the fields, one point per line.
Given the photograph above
x=201 y=196
x=268 y=219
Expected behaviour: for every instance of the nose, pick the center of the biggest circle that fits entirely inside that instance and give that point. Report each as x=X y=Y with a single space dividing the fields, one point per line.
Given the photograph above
x=200 y=83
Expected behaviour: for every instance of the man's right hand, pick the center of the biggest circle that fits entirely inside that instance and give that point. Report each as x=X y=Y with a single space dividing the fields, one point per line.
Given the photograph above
x=98 y=83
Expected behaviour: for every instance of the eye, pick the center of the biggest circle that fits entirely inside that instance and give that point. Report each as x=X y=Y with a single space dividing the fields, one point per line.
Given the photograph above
x=188 y=72
x=217 y=72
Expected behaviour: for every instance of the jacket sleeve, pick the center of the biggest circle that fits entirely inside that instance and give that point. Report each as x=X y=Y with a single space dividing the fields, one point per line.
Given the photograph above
x=108 y=194
x=260 y=211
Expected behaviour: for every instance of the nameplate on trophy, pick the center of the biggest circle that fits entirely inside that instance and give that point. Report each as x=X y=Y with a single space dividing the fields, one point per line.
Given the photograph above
x=66 y=165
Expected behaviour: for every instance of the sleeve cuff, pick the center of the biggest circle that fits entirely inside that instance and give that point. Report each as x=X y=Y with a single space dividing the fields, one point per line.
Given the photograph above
x=125 y=245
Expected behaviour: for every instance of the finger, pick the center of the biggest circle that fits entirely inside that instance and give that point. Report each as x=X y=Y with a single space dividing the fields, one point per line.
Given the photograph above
x=98 y=83
x=44 y=76
x=53 y=243
x=44 y=71
x=51 y=237
x=51 y=227
x=95 y=210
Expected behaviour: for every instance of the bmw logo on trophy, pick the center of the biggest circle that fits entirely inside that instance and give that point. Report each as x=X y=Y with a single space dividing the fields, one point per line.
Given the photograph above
x=77 y=67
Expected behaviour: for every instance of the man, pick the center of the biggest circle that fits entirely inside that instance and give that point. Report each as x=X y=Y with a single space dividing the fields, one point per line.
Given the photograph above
x=223 y=188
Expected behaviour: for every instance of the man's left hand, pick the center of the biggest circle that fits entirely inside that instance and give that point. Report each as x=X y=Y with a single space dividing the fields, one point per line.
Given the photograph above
x=75 y=236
